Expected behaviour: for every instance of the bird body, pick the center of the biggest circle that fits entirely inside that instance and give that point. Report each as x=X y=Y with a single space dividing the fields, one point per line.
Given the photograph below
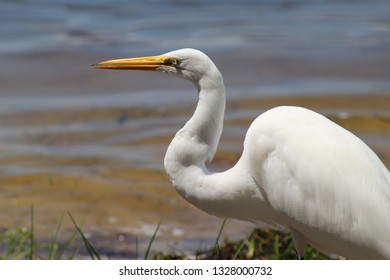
x=327 y=185
x=298 y=171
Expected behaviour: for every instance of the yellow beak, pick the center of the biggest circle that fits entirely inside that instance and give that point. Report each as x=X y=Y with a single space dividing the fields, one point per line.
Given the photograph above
x=137 y=63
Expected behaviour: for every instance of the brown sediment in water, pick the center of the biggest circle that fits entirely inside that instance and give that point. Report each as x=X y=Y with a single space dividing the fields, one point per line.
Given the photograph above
x=359 y=113
x=111 y=197
x=369 y=101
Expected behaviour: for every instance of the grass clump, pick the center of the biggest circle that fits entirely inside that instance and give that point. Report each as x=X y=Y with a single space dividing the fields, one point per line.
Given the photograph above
x=15 y=244
x=20 y=243
x=260 y=244
x=264 y=244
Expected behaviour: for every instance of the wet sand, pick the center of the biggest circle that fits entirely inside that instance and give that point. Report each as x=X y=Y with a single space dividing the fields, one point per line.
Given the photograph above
x=104 y=163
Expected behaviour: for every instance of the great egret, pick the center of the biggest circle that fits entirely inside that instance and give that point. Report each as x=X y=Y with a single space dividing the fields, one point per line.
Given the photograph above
x=298 y=170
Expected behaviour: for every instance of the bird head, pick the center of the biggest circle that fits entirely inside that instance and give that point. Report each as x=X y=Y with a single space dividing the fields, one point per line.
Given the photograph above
x=189 y=64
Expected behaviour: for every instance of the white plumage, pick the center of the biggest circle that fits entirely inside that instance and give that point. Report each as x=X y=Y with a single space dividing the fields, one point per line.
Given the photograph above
x=298 y=171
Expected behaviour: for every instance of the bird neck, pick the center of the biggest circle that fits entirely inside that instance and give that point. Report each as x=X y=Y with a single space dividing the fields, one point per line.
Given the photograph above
x=197 y=141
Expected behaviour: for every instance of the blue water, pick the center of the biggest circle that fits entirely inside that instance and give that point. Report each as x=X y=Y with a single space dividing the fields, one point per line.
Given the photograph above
x=263 y=48
x=145 y=26
x=59 y=118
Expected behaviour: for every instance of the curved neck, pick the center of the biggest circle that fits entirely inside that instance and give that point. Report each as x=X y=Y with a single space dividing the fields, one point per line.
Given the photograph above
x=197 y=141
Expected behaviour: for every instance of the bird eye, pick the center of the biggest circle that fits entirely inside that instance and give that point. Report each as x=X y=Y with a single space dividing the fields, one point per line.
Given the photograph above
x=174 y=61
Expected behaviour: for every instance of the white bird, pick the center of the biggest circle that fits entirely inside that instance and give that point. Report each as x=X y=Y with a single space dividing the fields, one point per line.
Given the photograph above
x=298 y=171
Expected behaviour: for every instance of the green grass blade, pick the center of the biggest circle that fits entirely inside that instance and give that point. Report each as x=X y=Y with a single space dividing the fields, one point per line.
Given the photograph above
x=216 y=246
x=32 y=234
x=151 y=241
x=67 y=245
x=91 y=250
x=53 y=248
x=60 y=253
x=239 y=250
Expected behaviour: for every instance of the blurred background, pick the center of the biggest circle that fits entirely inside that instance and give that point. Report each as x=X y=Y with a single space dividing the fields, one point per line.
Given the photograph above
x=90 y=142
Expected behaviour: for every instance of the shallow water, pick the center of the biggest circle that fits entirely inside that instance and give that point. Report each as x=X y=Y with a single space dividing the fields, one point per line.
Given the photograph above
x=142 y=26
x=92 y=142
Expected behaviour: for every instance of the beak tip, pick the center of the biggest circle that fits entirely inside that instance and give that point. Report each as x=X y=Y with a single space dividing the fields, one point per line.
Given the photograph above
x=101 y=66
